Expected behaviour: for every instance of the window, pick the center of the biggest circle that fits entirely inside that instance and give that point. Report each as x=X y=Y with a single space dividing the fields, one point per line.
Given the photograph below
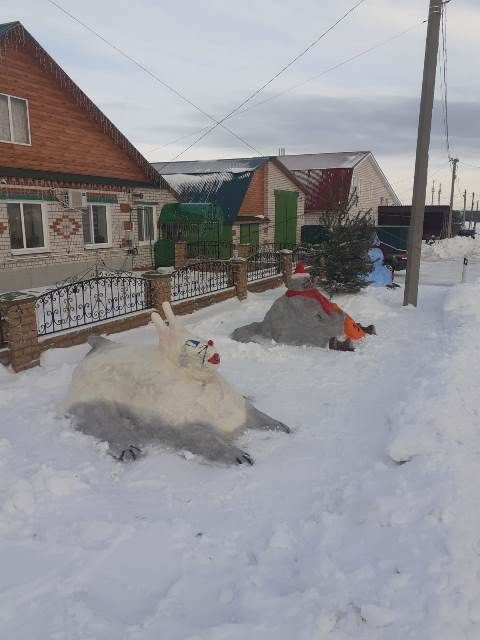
x=146 y=224
x=26 y=225
x=96 y=225
x=14 y=124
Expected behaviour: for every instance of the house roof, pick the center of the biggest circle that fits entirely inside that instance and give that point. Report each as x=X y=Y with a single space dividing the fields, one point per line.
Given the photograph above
x=223 y=181
x=226 y=189
x=232 y=165
x=341 y=160
x=15 y=33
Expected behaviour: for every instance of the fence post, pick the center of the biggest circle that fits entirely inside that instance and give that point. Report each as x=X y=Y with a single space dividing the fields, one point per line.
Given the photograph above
x=20 y=322
x=180 y=254
x=465 y=269
x=239 y=274
x=161 y=286
x=243 y=250
x=286 y=264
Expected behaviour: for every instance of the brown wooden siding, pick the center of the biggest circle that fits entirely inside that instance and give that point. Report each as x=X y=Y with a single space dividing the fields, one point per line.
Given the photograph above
x=64 y=138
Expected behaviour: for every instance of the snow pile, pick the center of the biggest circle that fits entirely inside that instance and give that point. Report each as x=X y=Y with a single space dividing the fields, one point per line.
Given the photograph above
x=451 y=249
x=326 y=537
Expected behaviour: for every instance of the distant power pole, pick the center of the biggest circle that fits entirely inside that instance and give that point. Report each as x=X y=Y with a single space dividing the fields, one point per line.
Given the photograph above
x=433 y=191
x=470 y=222
x=452 y=196
x=423 y=146
x=439 y=192
x=475 y=223
x=464 y=206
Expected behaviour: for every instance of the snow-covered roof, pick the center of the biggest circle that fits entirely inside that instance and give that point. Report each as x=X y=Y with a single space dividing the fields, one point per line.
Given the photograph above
x=231 y=165
x=341 y=160
x=226 y=189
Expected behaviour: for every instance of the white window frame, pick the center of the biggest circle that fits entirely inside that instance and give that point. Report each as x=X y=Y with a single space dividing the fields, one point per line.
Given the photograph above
x=100 y=245
x=143 y=243
x=46 y=239
x=24 y=144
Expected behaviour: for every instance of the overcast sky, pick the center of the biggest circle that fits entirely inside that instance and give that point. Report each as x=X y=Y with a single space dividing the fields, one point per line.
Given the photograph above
x=218 y=52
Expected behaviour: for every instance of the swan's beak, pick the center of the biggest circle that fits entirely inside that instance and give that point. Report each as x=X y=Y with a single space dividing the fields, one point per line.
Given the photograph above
x=215 y=359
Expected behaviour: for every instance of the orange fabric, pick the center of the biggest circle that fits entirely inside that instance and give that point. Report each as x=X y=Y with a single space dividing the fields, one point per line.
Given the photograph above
x=352 y=330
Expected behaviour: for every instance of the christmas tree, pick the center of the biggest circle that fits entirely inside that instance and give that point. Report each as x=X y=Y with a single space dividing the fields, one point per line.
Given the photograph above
x=342 y=262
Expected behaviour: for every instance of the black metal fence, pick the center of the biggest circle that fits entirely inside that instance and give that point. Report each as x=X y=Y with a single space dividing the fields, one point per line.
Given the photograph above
x=89 y=301
x=201 y=278
x=209 y=250
x=305 y=254
x=263 y=264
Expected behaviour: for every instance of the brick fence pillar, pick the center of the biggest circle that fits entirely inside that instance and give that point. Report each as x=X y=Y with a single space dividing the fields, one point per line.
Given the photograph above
x=20 y=322
x=286 y=264
x=239 y=272
x=161 y=286
x=180 y=254
x=244 y=250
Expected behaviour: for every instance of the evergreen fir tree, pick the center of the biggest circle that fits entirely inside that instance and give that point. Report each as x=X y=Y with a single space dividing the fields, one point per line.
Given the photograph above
x=342 y=262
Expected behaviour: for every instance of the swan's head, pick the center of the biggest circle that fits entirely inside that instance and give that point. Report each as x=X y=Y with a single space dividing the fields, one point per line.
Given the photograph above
x=199 y=355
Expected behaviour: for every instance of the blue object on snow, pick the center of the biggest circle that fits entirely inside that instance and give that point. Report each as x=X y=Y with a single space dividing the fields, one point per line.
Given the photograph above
x=380 y=276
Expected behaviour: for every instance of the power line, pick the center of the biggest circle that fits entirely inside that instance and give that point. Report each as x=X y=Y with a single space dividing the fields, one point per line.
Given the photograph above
x=300 y=84
x=334 y=67
x=152 y=75
x=274 y=77
x=444 y=78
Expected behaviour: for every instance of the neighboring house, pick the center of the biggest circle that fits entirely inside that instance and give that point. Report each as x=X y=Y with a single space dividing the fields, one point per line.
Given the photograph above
x=331 y=176
x=261 y=200
x=73 y=191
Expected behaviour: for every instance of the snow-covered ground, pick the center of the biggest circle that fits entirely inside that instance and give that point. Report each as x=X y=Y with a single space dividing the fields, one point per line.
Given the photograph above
x=363 y=523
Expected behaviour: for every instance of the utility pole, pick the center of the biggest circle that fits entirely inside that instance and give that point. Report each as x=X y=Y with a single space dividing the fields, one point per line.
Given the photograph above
x=470 y=222
x=423 y=146
x=464 y=206
x=433 y=191
x=475 y=223
x=439 y=192
x=452 y=195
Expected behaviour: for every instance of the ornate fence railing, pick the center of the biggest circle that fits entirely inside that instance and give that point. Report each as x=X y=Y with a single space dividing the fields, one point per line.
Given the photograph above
x=263 y=264
x=208 y=250
x=304 y=254
x=201 y=278
x=89 y=301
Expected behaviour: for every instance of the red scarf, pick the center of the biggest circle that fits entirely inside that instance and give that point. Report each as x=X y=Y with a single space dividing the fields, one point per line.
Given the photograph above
x=314 y=294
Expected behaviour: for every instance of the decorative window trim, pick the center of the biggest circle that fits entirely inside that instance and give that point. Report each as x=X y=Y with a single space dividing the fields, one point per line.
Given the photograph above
x=10 y=119
x=100 y=245
x=46 y=237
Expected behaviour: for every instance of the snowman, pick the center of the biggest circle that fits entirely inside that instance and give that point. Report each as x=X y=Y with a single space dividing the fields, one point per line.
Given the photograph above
x=381 y=274
x=304 y=316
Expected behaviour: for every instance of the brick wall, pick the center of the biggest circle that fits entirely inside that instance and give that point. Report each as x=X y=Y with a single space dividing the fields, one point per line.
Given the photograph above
x=264 y=285
x=63 y=136
x=253 y=202
x=65 y=234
